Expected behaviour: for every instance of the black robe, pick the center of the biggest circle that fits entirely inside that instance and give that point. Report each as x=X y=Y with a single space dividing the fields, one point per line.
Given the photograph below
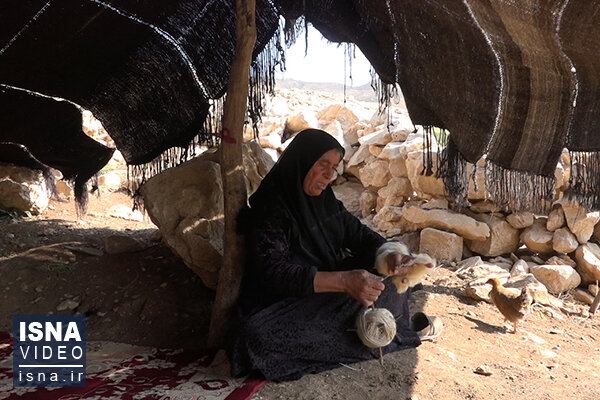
x=286 y=329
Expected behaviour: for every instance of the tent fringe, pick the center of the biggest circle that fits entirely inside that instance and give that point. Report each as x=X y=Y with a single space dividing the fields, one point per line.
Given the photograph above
x=451 y=166
x=385 y=92
x=519 y=190
x=209 y=136
x=584 y=182
x=262 y=76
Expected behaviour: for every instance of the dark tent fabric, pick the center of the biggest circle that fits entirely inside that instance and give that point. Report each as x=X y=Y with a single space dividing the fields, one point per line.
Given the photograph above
x=147 y=69
x=514 y=81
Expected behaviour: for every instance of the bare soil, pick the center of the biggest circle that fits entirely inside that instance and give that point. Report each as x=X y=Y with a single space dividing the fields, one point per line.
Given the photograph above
x=150 y=297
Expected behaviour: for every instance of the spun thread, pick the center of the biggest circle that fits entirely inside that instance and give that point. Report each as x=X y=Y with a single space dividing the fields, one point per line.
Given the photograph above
x=376 y=327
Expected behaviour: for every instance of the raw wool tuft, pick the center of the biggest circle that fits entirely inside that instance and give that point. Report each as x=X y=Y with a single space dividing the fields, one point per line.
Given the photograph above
x=421 y=265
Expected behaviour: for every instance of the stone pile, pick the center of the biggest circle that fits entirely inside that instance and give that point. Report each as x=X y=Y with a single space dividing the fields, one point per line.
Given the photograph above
x=381 y=183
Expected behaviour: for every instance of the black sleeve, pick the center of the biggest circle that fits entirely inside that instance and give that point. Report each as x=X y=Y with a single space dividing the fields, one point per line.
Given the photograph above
x=360 y=240
x=273 y=267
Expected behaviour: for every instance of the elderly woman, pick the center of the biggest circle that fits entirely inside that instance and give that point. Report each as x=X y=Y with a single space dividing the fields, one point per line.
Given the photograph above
x=310 y=271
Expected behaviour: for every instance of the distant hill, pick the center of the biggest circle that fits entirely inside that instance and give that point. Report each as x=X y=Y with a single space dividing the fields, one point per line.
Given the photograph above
x=360 y=93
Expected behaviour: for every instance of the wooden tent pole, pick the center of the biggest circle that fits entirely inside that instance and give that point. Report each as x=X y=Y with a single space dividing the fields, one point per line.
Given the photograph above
x=232 y=172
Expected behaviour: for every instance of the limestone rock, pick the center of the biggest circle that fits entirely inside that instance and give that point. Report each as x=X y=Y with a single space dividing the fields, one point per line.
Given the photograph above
x=563 y=241
x=484 y=206
x=597 y=232
x=447 y=220
x=186 y=203
x=441 y=245
x=588 y=262
x=538 y=291
x=390 y=151
x=271 y=141
x=424 y=186
x=537 y=238
x=469 y=262
x=64 y=189
x=375 y=150
x=593 y=289
x=556 y=219
x=520 y=267
x=503 y=237
x=583 y=296
x=375 y=174
x=257 y=163
x=380 y=137
x=396 y=191
x=117 y=244
x=109 y=180
x=349 y=193
x=483 y=270
x=337 y=112
x=368 y=201
x=479 y=290
x=397 y=167
x=520 y=219
x=298 y=122
x=562 y=259
x=361 y=155
x=410 y=239
x=389 y=217
x=580 y=222
x=557 y=278
x=433 y=204
x=22 y=189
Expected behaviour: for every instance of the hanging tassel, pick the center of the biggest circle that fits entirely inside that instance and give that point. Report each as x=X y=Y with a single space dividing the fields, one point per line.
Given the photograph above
x=519 y=190
x=584 y=182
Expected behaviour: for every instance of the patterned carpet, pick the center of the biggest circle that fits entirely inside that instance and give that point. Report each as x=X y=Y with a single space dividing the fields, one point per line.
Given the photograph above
x=123 y=371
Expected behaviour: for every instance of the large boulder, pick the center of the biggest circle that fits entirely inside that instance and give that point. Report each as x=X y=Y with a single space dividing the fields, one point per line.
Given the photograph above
x=563 y=241
x=257 y=163
x=396 y=192
x=375 y=174
x=556 y=219
x=503 y=237
x=588 y=262
x=22 y=189
x=557 y=278
x=537 y=238
x=349 y=193
x=441 y=245
x=186 y=203
x=520 y=219
x=579 y=221
x=339 y=113
x=446 y=220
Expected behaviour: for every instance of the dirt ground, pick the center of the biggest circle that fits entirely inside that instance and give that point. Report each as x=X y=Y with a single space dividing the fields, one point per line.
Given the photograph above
x=150 y=297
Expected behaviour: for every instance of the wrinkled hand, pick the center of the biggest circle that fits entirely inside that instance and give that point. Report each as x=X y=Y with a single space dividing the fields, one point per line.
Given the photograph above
x=362 y=285
x=399 y=264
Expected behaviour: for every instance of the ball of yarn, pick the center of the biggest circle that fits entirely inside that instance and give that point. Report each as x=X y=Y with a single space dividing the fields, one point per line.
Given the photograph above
x=376 y=327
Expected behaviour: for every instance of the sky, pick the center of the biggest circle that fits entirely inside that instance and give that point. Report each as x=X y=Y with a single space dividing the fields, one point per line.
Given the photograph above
x=324 y=62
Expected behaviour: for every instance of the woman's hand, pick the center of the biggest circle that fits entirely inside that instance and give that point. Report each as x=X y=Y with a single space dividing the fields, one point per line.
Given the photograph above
x=399 y=264
x=362 y=285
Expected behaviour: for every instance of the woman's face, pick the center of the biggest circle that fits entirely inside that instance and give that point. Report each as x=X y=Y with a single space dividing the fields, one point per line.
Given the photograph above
x=321 y=173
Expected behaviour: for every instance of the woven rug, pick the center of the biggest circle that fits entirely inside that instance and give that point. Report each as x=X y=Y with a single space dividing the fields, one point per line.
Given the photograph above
x=123 y=371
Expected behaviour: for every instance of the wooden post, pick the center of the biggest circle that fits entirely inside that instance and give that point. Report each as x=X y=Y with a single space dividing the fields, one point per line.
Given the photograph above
x=596 y=304
x=232 y=172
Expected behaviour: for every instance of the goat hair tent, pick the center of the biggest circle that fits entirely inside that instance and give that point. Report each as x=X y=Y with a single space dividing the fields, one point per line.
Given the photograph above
x=515 y=81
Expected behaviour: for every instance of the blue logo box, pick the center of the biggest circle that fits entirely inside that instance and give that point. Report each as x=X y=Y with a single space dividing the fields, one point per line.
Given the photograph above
x=49 y=350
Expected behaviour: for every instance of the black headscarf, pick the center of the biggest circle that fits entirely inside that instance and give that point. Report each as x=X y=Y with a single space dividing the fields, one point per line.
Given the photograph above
x=317 y=232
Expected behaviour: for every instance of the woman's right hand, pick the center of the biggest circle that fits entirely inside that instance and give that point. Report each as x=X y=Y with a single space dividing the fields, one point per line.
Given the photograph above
x=362 y=285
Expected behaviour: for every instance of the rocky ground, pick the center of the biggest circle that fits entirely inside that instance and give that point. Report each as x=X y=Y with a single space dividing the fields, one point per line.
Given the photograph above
x=113 y=266
x=56 y=263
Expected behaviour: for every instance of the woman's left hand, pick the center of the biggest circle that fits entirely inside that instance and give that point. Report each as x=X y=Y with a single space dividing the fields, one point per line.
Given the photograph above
x=399 y=264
